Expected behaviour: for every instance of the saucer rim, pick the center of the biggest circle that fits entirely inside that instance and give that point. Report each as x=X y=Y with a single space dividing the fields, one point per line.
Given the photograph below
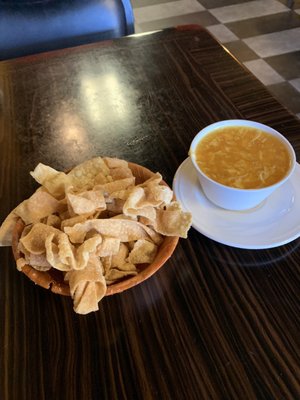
x=250 y=246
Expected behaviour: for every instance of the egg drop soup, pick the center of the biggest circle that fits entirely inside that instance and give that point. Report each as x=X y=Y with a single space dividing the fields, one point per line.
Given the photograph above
x=243 y=157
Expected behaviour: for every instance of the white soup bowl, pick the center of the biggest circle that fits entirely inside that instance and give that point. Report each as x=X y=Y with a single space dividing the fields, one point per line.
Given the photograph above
x=231 y=198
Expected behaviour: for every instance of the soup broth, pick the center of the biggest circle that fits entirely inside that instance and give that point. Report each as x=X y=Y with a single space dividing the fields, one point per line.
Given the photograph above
x=243 y=157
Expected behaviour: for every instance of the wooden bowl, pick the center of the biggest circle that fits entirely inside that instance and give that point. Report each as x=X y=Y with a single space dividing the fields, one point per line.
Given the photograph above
x=54 y=279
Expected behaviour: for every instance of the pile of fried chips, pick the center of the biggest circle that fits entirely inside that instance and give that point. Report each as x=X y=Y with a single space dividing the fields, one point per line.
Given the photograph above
x=95 y=224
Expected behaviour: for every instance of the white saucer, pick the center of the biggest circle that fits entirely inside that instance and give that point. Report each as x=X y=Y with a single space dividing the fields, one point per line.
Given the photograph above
x=274 y=222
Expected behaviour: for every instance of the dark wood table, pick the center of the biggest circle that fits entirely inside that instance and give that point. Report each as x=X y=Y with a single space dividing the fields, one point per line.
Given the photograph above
x=216 y=322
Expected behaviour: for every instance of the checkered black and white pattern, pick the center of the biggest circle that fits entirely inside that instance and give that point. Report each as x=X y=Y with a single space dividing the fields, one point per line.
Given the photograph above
x=262 y=34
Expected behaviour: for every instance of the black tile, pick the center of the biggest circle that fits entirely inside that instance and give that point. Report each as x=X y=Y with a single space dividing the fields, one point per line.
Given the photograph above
x=241 y=51
x=203 y=18
x=287 y=65
x=220 y=3
x=287 y=95
x=265 y=24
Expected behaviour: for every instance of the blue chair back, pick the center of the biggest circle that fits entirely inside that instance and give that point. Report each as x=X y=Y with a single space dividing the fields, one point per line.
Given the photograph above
x=33 y=26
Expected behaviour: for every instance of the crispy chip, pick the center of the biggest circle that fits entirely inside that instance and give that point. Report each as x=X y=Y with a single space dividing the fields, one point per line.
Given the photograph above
x=74 y=220
x=86 y=202
x=172 y=221
x=115 y=206
x=116 y=274
x=119 y=259
x=117 y=267
x=125 y=230
x=109 y=247
x=118 y=169
x=34 y=240
x=53 y=220
x=59 y=252
x=87 y=286
x=6 y=229
x=156 y=193
x=84 y=175
x=115 y=186
x=90 y=246
x=21 y=262
x=120 y=173
x=112 y=163
x=143 y=252
x=54 y=181
x=39 y=262
x=143 y=199
x=41 y=204
x=137 y=204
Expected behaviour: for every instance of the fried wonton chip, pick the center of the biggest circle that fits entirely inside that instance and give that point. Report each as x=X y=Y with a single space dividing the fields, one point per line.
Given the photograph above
x=86 y=202
x=119 y=195
x=118 y=169
x=156 y=193
x=172 y=221
x=119 y=259
x=159 y=194
x=7 y=228
x=53 y=220
x=125 y=230
x=37 y=261
x=137 y=204
x=143 y=199
x=115 y=186
x=21 y=262
x=117 y=266
x=44 y=240
x=143 y=252
x=87 y=286
x=34 y=240
x=88 y=248
x=113 y=162
x=120 y=173
x=41 y=204
x=115 y=206
x=64 y=256
x=109 y=247
x=53 y=181
x=74 y=220
x=59 y=252
x=116 y=274
x=85 y=175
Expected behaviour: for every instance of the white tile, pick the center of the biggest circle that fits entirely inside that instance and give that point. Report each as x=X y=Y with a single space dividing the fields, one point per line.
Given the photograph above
x=166 y=10
x=222 y=33
x=266 y=74
x=137 y=28
x=295 y=83
x=275 y=43
x=247 y=10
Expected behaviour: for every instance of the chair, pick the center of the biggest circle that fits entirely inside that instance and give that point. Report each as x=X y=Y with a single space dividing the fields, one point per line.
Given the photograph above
x=34 y=26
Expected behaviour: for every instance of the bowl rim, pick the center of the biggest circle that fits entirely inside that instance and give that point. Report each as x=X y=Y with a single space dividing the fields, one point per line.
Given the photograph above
x=242 y=122
x=54 y=280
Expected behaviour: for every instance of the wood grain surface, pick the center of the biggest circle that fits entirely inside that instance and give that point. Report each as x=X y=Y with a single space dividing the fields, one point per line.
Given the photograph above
x=215 y=322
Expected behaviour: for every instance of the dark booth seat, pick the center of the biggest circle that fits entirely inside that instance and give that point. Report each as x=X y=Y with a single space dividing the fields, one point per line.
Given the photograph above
x=28 y=27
